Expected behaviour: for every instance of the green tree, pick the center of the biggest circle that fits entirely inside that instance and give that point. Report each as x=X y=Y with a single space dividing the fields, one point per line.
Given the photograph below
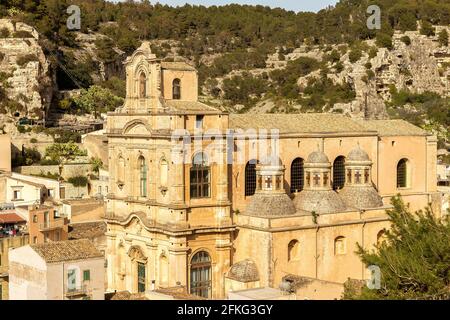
x=443 y=38
x=63 y=152
x=78 y=181
x=97 y=99
x=96 y=164
x=427 y=29
x=384 y=40
x=414 y=259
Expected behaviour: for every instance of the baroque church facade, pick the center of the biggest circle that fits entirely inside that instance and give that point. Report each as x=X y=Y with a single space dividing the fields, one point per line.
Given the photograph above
x=213 y=213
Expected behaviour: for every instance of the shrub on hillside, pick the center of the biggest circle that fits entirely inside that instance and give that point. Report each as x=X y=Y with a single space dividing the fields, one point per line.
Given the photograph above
x=25 y=59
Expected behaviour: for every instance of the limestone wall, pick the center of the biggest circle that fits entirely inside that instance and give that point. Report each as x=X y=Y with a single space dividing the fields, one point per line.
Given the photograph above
x=69 y=170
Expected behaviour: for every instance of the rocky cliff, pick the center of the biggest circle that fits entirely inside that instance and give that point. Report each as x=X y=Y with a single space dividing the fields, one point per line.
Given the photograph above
x=25 y=72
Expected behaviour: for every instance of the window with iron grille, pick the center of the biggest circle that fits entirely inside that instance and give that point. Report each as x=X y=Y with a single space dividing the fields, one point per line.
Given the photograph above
x=339 y=173
x=201 y=275
x=200 y=178
x=297 y=175
x=401 y=173
x=176 y=87
x=250 y=178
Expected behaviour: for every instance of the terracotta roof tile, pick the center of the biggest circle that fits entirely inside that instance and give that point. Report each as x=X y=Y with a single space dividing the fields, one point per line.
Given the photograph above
x=71 y=250
x=10 y=218
x=87 y=230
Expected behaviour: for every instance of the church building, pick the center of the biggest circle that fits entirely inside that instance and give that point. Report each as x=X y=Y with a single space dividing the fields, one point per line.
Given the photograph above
x=216 y=202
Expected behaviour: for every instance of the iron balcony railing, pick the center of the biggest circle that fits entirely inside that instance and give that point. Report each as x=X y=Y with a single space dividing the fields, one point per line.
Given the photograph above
x=51 y=225
x=76 y=291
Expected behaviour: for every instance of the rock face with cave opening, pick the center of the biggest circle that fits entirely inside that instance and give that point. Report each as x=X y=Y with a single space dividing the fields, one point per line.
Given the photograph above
x=26 y=72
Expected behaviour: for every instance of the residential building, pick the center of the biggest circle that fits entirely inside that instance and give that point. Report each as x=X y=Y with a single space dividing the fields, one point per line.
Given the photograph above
x=62 y=270
x=6 y=243
x=44 y=224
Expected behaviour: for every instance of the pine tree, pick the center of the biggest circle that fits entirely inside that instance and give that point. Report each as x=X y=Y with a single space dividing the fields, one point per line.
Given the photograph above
x=414 y=260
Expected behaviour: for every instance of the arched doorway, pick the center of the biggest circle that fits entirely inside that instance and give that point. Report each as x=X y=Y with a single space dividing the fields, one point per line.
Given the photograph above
x=201 y=275
x=139 y=261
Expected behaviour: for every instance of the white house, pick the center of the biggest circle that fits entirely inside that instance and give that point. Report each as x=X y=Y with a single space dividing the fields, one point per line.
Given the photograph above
x=63 y=270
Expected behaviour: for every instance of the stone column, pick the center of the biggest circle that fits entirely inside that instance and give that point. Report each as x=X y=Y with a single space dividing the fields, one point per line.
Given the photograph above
x=222 y=171
x=222 y=265
x=178 y=267
x=111 y=254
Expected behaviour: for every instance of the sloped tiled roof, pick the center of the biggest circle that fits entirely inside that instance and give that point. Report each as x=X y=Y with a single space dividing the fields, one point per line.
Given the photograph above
x=296 y=123
x=195 y=106
x=177 y=66
x=10 y=218
x=71 y=250
x=392 y=127
x=87 y=230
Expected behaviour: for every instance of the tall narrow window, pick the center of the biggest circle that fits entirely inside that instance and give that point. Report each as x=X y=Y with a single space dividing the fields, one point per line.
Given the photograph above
x=199 y=121
x=201 y=275
x=141 y=277
x=142 y=85
x=176 y=89
x=200 y=177
x=402 y=167
x=297 y=175
x=293 y=250
x=71 y=280
x=381 y=236
x=339 y=173
x=142 y=177
x=250 y=178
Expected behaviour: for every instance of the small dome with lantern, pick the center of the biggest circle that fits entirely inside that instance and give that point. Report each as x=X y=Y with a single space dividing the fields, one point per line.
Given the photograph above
x=270 y=198
x=318 y=196
x=358 y=191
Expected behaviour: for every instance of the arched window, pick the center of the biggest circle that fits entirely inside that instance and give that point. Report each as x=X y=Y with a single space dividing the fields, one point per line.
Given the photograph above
x=176 y=89
x=200 y=177
x=340 y=246
x=142 y=177
x=294 y=250
x=402 y=173
x=250 y=178
x=381 y=236
x=142 y=85
x=339 y=173
x=201 y=275
x=297 y=175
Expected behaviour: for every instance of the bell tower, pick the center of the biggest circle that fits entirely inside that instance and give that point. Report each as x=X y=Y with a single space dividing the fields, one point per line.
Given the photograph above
x=143 y=84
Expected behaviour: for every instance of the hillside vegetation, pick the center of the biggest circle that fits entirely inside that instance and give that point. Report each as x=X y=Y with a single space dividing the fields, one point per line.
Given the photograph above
x=231 y=46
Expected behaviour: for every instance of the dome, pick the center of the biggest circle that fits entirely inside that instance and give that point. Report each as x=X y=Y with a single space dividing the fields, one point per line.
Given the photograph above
x=270 y=204
x=322 y=201
x=244 y=271
x=361 y=197
x=358 y=154
x=317 y=157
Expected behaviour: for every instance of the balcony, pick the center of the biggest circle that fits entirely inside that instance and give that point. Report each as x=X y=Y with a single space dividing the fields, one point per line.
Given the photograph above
x=76 y=291
x=52 y=225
